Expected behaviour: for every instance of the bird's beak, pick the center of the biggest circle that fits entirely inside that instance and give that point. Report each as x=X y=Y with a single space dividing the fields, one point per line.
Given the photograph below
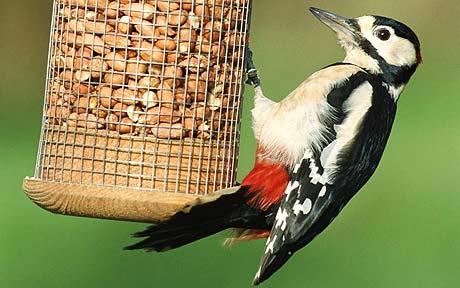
x=346 y=29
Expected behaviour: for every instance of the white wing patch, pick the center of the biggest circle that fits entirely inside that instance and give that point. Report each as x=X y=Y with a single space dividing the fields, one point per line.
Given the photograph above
x=281 y=218
x=305 y=207
x=355 y=107
x=270 y=245
x=292 y=186
x=322 y=192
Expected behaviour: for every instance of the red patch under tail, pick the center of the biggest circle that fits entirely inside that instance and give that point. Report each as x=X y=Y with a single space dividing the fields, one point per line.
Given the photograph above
x=266 y=184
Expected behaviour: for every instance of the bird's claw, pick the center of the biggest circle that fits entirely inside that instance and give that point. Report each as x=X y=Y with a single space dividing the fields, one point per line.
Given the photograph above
x=252 y=74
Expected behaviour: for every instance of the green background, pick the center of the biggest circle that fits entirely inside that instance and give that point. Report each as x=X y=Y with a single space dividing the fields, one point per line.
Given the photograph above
x=402 y=229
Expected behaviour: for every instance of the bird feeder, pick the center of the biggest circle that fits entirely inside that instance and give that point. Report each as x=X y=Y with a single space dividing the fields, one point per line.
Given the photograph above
x=142 y=106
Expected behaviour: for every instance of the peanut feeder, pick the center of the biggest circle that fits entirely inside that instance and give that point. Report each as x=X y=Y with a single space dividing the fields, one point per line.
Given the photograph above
x=142 y=106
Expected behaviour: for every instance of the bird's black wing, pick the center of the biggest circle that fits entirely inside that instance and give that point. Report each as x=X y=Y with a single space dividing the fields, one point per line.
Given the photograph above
x=316 y=194
x=299 y=216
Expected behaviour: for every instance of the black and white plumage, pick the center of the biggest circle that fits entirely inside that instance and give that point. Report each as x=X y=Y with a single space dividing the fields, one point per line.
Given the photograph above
x=360 y=106
x=327 y=175
x=316 y=148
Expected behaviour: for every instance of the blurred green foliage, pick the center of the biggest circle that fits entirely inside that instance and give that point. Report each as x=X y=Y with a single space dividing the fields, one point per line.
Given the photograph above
x=402 y=230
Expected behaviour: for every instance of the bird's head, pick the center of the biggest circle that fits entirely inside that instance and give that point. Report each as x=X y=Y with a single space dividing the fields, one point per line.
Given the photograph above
x=379 y=44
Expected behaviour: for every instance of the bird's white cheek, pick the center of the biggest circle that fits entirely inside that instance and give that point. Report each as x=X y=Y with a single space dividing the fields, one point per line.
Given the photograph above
x=397 y=52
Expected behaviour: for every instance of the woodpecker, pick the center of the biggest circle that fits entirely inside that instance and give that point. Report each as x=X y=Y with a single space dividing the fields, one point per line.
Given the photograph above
x=315 y=149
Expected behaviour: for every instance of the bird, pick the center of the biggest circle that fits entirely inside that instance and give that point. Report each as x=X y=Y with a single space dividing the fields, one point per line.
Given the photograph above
x=316 y=148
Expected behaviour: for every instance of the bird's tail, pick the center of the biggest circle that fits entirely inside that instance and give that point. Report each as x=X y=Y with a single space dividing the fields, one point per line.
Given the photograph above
x=201 y=220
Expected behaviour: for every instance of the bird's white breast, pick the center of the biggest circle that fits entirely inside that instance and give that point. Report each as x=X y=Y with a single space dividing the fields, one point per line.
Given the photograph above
x=287 y=128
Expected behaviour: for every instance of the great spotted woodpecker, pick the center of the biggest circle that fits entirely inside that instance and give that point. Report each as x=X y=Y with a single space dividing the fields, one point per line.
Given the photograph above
x=316 y=148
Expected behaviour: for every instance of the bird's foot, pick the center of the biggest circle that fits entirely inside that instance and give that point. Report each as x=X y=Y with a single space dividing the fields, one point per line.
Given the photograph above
x=252 y=74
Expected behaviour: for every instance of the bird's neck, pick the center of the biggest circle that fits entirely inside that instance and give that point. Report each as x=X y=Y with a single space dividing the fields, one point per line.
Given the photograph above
x=394 y=77
x=360 y=58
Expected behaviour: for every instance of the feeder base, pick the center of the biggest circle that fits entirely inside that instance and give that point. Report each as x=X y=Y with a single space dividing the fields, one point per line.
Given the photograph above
x=128 y=204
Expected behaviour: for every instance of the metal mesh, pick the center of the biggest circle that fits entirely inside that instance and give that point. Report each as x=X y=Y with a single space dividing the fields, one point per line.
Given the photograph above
x=144 y=94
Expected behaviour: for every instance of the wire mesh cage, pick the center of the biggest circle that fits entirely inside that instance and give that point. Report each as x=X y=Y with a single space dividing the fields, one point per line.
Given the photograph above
x=142 y=106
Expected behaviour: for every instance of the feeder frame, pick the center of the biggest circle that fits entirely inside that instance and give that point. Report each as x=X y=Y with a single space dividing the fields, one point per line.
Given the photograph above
x=86 y=167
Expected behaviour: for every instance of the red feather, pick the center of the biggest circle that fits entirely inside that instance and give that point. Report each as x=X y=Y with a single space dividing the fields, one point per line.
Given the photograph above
x=266 y=184
x=419 y=57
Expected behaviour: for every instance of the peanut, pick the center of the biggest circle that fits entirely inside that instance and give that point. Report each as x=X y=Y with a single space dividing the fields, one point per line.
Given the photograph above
x=151 y=53
x=162 y=26
x=139 y=10
x=168 y=131
x=88 y=121
x=177 y=18
x=133 y=113
x=135 y=69
x=162 y=114
x=212 y=31
x=167 y=6
x=149 y=82
x=89 y=26
x=186 y=37
x=126 y=126
x=196 y=88
x=101 y=4
x=117 y=41
x=111 y=121
x=149 y=99
x=120 y=109
x=114 y=78
x=124 y=26
x=126 y=96
x=57 y=114
x=165 y=93
x=116 y=61
x=166 y=44
x=146 y=28
x=171 y=73
x=201 y=9
x=113 y=8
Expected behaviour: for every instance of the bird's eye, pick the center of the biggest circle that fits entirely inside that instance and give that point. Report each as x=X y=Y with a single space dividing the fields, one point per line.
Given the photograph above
x=383 y=34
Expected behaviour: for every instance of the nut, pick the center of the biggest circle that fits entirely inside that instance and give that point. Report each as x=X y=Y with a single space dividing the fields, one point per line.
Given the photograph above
x=120 y=109
x=171 y=73
x=124 y=26
x=135 y=69
x=177 y=18
x=168 y=131
x=126 y=96
x=146 y=28
x=162 y=26
x=112 y=121
x=150 y=52
x=139 y=10
x=118 y=41
x=115 y=61
x=134 y=112
x=149 y=82
x=126 y=126
x=162 y=114
x=166 y=44
x=167 y=6
x=149 y=99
